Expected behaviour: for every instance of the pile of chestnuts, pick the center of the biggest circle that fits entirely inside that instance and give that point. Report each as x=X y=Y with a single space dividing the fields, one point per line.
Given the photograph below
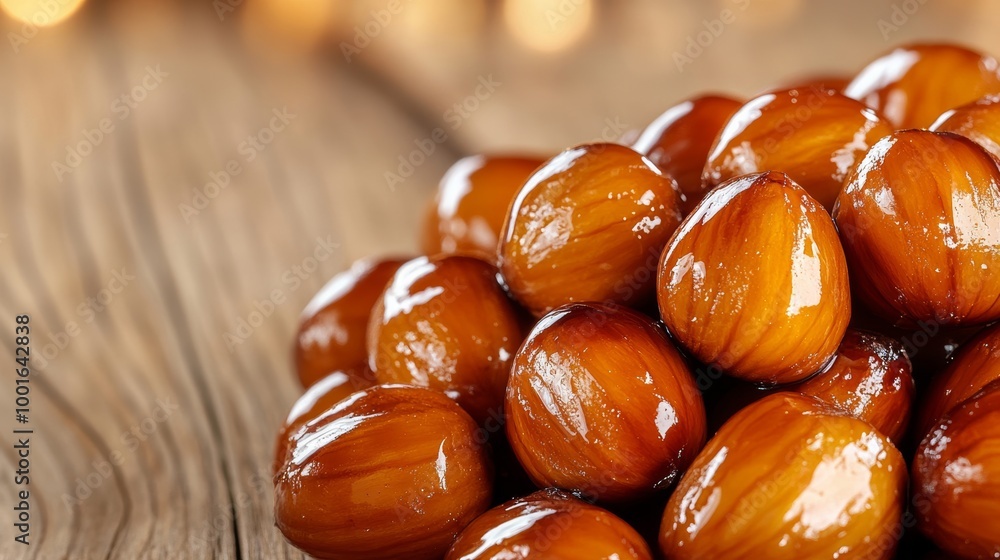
x=764 y=328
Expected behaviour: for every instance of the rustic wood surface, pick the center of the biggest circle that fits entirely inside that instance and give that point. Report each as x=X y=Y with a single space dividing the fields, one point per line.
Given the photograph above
x=153 y=427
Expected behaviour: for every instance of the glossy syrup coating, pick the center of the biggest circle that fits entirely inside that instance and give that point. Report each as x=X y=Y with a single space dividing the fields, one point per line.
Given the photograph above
x=549 y=525
x=870 y=379
x=755 y=282
x=813 y=135
x=391 y=472
x=978 y=121
x=908 y=85
x=679 y=140
x=920 y=222
x=956 y=478
x=599 y=402
x=446 y=323
x=331 y=335
x=788 y=477
x=318 y=398
x=471 y=204
x=588 y=226
x=976 y=364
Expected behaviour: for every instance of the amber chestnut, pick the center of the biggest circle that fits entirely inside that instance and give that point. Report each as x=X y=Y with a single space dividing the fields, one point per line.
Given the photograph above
x=956 y=478
x=318 y=398
x=788 y=477
x=813 y=135
x=471 y=204
x=919 y=218
x=331 y=334
x=588 y=226
x=755 y=283
x=549 y=524
x=390 y=472
x=446 y=323
x=906 y=84
x=978 y=121
x=976 y=364
x=600 y=402
x=679 y=140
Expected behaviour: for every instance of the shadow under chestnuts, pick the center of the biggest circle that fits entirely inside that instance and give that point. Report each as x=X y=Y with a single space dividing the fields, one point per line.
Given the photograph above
x=724 y=339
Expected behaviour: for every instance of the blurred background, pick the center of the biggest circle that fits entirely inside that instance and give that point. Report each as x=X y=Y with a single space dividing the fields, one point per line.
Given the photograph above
x=179 y=177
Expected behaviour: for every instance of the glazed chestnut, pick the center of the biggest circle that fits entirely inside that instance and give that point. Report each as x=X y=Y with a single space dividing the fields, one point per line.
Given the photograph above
x=907 y=88
x=978 y=121
x=588 y=226
x=599 y=402
x=445 y=323
x=390 y=472
x=919 y=218
x=755 y=283
x=870 y=379
x=813 y=135
x=956 y=478
x=331 y=334
x=976 y=364
x=471 y=204
x=317 y=399
x=679 y=140
x=548 y=524
x=788 y=477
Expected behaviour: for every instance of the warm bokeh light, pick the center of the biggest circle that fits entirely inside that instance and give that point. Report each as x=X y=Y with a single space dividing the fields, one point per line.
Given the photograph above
x=548 y=25
x=40 y=12
x=289 y=24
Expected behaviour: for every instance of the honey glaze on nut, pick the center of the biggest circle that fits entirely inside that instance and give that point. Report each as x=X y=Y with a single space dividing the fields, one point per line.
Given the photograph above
x=813 y=135
x=906 y=85
x=679 y=140
x=599 y=402
x=331 y=334
x=920 y=221
x=471 y=204
x=588 y=226
x=956 y=478
x=755 y=282
x=976 y=364
x=549 y=524
x=447 y=324
x=390 y=472
x=788 y=477
x=978 y=121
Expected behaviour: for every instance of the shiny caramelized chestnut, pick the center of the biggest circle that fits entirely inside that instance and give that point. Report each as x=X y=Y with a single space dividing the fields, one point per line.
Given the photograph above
x=679 y=140
x=599 y=402
x=919 y=218
x=956 y=478
x=906 y=85
x=331 y=334
x=755 y=283
x=317 y=399
x=588 y=226
x=870 y=379
x=978 y=121
x=788 y=477
x=548 y=524
x=390 y=472
x=976 y=364
x=447 y=324
x=813 y=135
x=471 y=204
